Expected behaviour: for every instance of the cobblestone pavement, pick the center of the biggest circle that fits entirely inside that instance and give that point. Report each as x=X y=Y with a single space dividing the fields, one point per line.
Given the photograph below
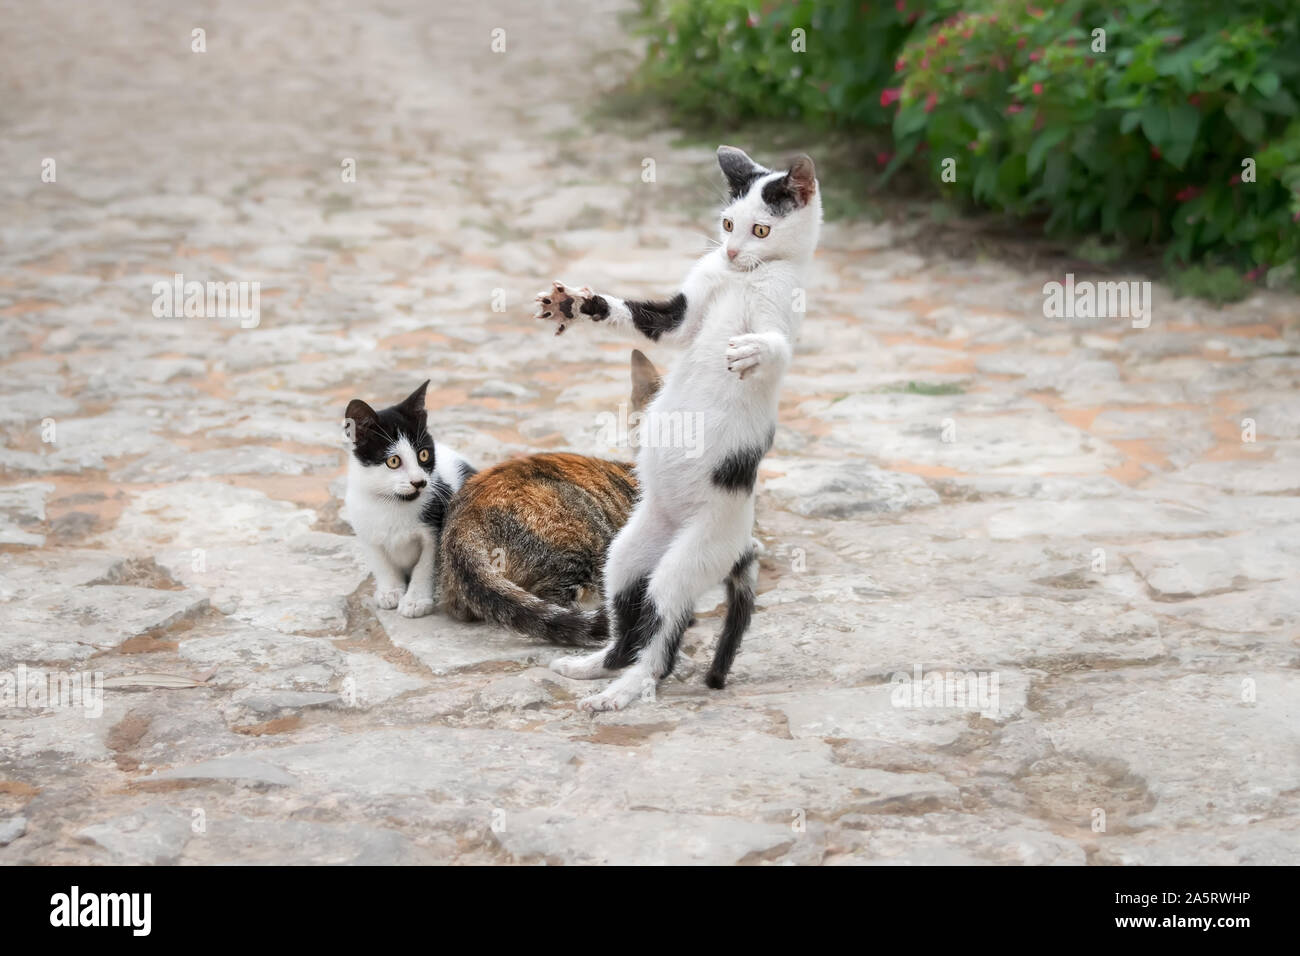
x=1069 y=508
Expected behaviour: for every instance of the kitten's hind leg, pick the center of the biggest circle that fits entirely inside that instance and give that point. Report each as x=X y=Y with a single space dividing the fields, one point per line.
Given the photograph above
x=631 y=555
x=702 y=552
x=740 y=608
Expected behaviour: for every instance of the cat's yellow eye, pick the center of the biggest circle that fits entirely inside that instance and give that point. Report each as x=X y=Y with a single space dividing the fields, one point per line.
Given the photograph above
x=424 y=455
x=394 y=462
x=761 y=230
x=728 y=225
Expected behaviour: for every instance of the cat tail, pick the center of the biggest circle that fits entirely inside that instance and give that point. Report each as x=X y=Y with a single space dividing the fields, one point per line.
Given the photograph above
x=495 y=597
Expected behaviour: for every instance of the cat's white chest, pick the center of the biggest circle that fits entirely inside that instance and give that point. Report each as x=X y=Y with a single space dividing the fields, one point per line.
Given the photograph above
x=394 y=527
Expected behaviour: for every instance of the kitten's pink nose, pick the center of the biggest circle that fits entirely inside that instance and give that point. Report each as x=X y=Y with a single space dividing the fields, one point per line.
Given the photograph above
x=731 y=253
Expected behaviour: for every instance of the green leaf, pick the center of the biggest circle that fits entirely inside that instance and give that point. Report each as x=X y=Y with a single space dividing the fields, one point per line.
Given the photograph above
x=1267 y=83
x=1130 y=122
x=1184 y=121
x=1155 y=123
x=1246 y=118
x=1045 y=141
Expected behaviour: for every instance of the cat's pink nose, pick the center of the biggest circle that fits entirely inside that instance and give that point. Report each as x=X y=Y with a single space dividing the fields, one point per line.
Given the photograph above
x=731 y=253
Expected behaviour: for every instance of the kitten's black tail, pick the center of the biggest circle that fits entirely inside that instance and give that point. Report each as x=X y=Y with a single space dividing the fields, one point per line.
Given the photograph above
x=496 y=598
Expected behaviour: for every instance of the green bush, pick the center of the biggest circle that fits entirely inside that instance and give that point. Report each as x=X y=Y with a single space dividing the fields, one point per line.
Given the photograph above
x=724 y=59
x=1143 y=142
x=1152 y=139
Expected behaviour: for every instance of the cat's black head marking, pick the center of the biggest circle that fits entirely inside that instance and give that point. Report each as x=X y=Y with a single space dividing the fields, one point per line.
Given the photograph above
x=375 y=432
x=740 y=170
x=793 y=190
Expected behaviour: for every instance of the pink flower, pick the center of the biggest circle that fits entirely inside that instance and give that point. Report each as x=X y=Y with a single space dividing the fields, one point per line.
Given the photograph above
x=942 y=40
x=890 y=95
x=930 y=102
x=1189 y=192
x=1253 y=274
x=1155 y=152
x=1038 y=89
x=1036 y=56
x=752 y=20
x=899 y=64
x=883 y=158
x=1014 y=108
x=900 y=6
x=1020 y=43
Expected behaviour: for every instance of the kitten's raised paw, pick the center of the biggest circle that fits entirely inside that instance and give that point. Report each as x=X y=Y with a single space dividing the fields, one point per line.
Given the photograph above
x=415 y=606
x=388 y=599
x=563 y=305
x=744 y=352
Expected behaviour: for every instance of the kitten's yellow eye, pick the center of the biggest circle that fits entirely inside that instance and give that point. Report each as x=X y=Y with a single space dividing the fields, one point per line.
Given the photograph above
x=394 y=461
x=761 y=231
x=424 y=454
x=728 y=225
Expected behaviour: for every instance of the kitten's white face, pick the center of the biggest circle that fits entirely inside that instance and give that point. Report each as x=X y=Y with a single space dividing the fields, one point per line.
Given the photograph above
x=401 y=476
x=392 y=450
x=772 y=215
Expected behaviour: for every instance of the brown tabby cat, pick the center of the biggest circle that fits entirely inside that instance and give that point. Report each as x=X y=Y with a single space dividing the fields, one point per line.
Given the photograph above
x=524 y=540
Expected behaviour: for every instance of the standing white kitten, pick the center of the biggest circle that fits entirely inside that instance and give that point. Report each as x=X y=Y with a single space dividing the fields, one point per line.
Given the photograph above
x=399 y=483
x=691 y=528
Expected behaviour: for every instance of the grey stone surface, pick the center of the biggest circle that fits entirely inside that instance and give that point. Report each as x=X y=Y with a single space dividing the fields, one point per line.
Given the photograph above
x=958 y=486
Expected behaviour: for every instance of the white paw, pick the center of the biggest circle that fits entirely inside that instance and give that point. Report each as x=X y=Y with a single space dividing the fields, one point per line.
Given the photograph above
x=620 y=693
x=415 y=606
x=390 y=598
x=581 y=666
x=743 y=354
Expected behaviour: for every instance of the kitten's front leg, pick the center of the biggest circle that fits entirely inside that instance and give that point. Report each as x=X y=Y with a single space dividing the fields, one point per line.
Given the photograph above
x=390 y=582
x=763 y=351
x=418 y=600
x=675 y=320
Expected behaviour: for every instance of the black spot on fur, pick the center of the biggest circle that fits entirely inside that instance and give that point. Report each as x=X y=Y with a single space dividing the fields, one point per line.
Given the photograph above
x=740 y=609
x=628 y=606
x=793 y=190
x=467 y=471
x=434 y=512
x=781 y=199
x=739 y=470
x=653 y=319
x=596 y=307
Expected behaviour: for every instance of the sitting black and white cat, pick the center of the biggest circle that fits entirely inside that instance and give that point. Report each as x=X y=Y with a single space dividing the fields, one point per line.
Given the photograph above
x=399 y=483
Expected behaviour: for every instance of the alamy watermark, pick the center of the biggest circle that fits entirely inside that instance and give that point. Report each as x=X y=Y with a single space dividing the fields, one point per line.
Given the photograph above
x=45 y=690
x=652 y=429
x=208 y=300
x=961 y=690
x=1098 y=300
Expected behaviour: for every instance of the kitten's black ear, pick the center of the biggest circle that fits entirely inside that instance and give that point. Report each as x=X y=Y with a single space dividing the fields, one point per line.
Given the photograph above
x=645 y=380
x=740 y=170
x=360 y=415
x=802 y=178
x=415 y=401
